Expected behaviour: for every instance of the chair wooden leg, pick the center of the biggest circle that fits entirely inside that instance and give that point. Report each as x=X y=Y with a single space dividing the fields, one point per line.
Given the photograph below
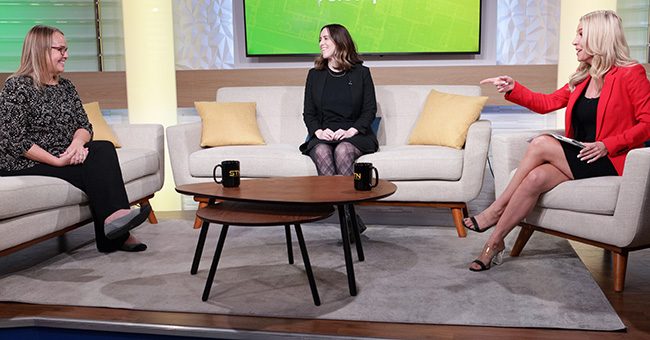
x=457 y=213
x=197 y=221
x=152 y=216
x=620 y=267
x=524 y=235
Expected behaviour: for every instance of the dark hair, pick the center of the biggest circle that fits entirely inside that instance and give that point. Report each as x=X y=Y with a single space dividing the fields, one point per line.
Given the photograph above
x=346 y=52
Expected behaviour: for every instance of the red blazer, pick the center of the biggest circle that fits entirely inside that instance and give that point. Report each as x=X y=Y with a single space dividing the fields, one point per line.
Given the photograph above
x=623 y=114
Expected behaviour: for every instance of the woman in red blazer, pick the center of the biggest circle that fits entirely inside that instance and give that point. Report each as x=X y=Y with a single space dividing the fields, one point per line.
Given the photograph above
x=607 y=104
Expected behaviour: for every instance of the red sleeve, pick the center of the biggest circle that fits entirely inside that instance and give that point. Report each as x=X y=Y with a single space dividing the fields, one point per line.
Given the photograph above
x=539 y=102
x=637 y=93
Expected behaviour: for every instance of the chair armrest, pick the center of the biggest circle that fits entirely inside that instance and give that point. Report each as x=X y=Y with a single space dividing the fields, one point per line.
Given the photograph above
x=143 y=136
x=182 y=141
x=633 y=204
x=475 y=155
x=507 y=151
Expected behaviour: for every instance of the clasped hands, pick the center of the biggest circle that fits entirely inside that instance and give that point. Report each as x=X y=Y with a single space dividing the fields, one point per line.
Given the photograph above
x=76 y=153
x=339 y=134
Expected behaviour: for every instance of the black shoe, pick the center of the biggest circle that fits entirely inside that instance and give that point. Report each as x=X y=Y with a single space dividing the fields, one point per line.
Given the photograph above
x=122 y=225
x=475 y=227
x=133 y=247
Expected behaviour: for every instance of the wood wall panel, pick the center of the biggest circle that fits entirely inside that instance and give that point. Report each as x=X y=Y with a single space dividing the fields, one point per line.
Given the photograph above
x=109 y=88
x=201 y=85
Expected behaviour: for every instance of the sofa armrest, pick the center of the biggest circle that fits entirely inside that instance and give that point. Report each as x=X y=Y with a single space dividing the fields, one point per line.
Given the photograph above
x=182 y=141
x=475 y=154
x=633 y=204
x=507 y=151
x=143 y=136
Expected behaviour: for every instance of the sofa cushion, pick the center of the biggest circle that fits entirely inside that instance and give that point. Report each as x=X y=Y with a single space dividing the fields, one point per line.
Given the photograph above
x=570 y=195
x=270 y=160
x=137 y=163
x=417 y=162
x=445 y=119
x=101 y=129
x=25 y=194
x=228 y=124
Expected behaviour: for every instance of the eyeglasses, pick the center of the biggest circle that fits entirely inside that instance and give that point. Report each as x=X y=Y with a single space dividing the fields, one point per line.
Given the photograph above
x=61 y=49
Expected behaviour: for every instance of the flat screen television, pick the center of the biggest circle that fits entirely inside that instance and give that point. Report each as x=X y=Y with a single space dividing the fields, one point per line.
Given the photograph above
x=378 y=27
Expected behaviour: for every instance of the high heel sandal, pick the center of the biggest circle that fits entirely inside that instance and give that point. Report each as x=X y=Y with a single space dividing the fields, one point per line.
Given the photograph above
x=496 y=259
x=475 y=227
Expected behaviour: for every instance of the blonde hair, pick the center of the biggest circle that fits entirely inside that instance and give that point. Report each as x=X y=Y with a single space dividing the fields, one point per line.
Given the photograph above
x=602 y=38
x=36 y=58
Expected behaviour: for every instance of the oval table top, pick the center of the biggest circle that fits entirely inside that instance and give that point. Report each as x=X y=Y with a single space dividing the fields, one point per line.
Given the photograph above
x=317 y=190
x=261 y=214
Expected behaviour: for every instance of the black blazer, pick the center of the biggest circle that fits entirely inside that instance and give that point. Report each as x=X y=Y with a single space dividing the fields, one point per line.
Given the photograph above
x=364 y=105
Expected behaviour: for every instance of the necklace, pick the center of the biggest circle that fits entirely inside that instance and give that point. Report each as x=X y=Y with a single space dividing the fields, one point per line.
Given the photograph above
x=334 y=74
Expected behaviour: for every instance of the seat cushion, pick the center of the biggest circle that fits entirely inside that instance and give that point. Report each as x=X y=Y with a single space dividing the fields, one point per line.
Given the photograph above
x=271 y=160
x=597 y=195
x=25 y=194
x=417 y=162
x=137 y=163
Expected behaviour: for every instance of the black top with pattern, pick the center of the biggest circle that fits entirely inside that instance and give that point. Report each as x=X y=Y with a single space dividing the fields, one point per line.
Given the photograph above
x=47 y=117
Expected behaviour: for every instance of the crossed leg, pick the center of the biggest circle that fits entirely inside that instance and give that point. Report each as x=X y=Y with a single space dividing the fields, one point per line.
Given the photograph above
x=542 y=168
x=542 y=150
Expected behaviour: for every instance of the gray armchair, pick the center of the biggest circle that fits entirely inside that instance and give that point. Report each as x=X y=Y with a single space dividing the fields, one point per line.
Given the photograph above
x=611 y=212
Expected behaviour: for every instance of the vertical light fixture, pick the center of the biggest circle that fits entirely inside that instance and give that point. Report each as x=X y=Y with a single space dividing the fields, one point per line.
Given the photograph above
x=151 y=75
x=570 y=13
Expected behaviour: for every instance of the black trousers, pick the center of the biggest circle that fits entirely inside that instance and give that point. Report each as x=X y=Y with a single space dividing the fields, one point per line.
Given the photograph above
x=100 y=177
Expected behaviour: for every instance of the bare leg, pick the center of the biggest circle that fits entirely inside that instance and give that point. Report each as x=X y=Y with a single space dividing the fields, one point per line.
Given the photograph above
x=541 y=179
x=542 y=150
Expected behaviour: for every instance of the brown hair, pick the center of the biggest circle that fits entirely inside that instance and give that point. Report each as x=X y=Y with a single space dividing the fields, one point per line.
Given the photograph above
x=37 y=51
x=346 y=52
x=602 y=38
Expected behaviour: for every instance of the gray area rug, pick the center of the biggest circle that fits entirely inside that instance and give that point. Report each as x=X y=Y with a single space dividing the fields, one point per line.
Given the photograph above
x=411 y=275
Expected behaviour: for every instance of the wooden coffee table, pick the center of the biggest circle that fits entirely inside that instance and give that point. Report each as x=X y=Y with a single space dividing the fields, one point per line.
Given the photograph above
x=253 y=214
x=306 y=190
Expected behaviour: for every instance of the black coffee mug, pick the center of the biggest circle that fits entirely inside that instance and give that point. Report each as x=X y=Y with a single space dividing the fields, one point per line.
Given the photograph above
x=229 y=174
x=363 y=176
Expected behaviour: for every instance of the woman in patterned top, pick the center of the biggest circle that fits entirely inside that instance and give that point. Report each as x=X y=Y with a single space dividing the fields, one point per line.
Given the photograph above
x=44 y=131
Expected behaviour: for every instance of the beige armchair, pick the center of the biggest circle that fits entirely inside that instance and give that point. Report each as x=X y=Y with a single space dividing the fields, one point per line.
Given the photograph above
x=611 y=212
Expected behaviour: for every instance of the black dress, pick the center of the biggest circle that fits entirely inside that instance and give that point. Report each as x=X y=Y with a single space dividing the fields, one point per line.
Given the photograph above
x=583 y=121
x=341 y=101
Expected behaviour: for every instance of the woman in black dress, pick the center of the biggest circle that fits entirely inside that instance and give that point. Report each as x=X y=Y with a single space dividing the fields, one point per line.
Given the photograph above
x=339 y=105
x=607 y=104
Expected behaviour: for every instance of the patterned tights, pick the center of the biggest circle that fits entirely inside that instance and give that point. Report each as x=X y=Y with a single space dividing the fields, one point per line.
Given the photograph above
x=335 y=159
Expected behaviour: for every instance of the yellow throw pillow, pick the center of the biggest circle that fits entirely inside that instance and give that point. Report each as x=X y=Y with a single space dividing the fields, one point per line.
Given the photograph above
x=228 y=124
x=101 y=129
x=445 y=119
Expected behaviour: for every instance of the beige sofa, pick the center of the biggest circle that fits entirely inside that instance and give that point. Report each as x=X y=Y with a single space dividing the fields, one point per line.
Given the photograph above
x=610 y=212
x=35 y=208
x=425 y=175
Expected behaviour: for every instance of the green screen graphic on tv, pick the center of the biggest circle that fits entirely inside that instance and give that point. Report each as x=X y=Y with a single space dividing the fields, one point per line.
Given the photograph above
x=291 y=27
